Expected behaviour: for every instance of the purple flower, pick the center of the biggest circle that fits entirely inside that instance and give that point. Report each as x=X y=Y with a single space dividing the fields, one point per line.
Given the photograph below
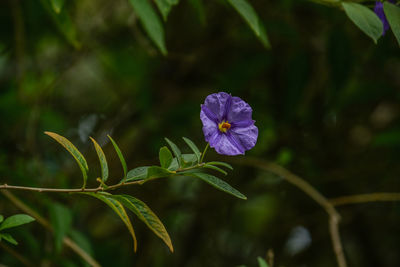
x=378 y=9
x=227 y=124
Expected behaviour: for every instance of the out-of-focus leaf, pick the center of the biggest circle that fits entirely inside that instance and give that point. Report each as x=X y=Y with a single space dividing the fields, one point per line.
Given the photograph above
x=147 y=216
x=63 y=23
x=151 y=23
x=248 y=13
x=16 y=220
x=120 y=156
x=219 y=163
x=57 y=5
x=198 y=5
x=8 y=238
x=261 y=262
x=218 y=183
x=118 y=208
x=146 y=173
x=175 y=150
x=215 y=168
x=392 y=13
x=61 y=220
x=193 y=147
x=80 y=159
x=365 y=19
x=103 y=160
x=165 y=157
x=165 y=6
x=81 y=240
x=1 y=218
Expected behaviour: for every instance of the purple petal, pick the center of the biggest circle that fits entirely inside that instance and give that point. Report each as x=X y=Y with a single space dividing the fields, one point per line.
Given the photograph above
x=239 y=111
x=247 y=136
x=226 y=144
x=210 y=127
x=217 y=104
x=378 y=9
x=244 y=123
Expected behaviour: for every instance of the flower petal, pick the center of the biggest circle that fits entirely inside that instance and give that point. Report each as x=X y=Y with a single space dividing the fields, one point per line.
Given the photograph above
x=210 y=127
x=239 y=111
x=226 y=144
x=218 y=104
x=247 y=136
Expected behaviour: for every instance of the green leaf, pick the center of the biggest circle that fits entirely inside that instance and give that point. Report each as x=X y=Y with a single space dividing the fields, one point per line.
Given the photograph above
x=365 y=19
x=120 y=156
x=165 y=157
x=174 y=165
x=218 y=183
x=262 y=262
x=57 y=5
x=1 y=218
x=61 y=220
x=188 y=160
x=16 y=220
x=8 y=238
x=392 y=13
x=165 y=7
x=193 y=147
x=147 y=216
x=151 y=23
x=103 y=160
x=175 y=150
x=198 y=6
x=248 y=13
x=139 y=173
x=118 y=208
x=215 y=168
x=81 y=240
x=80 y=159
x=218 y=163
x=148 y=172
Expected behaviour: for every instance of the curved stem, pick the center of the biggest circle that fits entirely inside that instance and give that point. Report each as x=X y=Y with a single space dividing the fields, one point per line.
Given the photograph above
x=204 y=153
x=364 y=198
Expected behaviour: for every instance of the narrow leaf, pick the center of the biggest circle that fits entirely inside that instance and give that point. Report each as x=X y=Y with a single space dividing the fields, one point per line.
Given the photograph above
x=8 y=238
x=215 y=168
x=151 y=23
x=175 y=150
x=365 y=19
x=103 y=160
x=147 y=216
x=248 y=13
x=261 y=262
x=219 y=163
x=16 y=220
x=165 y=157
x=61 y=220
x=57 y=5
x=139 y=173
x=1 y=218
x=74 y=152
x=218 y=183
x=147 y=173
x=118 y=208
x=120 y=156
x=392 y=13
x=165 y=7
x=174 y=165
x=188 y=160
x=193 y=147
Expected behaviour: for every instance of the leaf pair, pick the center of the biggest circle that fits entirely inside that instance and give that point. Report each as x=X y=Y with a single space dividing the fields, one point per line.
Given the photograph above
x=11 y=222
x=144 y=213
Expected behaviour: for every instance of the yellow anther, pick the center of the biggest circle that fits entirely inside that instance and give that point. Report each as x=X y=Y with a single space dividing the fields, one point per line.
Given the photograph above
x=224 y=126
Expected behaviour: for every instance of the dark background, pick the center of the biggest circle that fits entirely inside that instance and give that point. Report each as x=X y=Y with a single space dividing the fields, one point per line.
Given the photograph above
x=325 y=100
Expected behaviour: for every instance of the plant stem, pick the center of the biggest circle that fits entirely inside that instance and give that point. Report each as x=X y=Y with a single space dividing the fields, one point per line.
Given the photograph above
x=204 y=153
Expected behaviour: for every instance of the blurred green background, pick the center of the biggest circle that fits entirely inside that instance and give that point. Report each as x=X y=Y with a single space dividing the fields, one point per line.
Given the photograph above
x=325 y=100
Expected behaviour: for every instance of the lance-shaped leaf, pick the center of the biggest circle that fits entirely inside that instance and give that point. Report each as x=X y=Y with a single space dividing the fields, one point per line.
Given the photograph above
x=8 y=238
x=151 y=23
x=392 y=13
x=1 y=218
x=61 y=220
x=74 y=152
x=57 y=5
x=218 y=183
x=165 y=157
x=365 y=19
x=147 y=173
x=102 y=159
x=193 y=147
x=215 y=168
x=147 y=216
x=16 y=220
x=120 y=156
x=262 y=262
x=219 y=163
x=118 y=208
x=165 y=7
x=248 y=13
x=188 y=160
x=175 y=150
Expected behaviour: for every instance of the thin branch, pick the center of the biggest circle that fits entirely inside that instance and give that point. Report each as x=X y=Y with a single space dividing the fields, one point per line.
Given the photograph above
x=309 y=190
x=67 y=241
x=364 y=198
x=17 y=255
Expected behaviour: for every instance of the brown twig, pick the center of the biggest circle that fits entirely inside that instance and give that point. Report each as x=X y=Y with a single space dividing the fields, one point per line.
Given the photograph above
x=17 y=255
x=364 y=198
x=42 y=221
x=308 y=189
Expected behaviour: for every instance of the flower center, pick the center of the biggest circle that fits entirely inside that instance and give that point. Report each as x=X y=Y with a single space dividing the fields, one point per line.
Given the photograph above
x=224 y=126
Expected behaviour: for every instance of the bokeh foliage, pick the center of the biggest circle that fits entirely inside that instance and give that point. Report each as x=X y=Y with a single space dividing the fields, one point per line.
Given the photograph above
x=325 y=98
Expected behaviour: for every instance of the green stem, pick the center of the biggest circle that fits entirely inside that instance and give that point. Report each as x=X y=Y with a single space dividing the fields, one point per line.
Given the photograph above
x=204 y=153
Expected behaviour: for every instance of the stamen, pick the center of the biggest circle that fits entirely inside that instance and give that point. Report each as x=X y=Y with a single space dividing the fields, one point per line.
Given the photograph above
x=224 y=126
